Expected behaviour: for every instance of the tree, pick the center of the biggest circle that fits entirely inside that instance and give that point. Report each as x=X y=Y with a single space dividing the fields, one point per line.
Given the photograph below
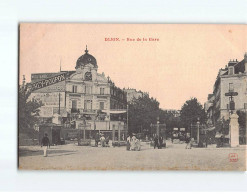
x=142 y=113
x=170 y=120
x=28 y=111
x=241 y=118
x=191 y=111
x=242 y=126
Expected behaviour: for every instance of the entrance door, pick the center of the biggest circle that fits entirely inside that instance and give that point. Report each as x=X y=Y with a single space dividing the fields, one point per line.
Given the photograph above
x=55 y=136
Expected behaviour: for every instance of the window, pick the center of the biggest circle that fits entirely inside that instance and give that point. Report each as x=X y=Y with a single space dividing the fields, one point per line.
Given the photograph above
x=102 y=91
x=231 y=87
x=74 y=106
x=231 y=70
x=74 y=89
x=245 y=105
x=88 y=104
x=102 y=105
x=88 y=89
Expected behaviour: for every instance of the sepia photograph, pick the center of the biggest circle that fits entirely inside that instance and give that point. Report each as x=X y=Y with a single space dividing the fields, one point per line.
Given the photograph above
x=132 y=97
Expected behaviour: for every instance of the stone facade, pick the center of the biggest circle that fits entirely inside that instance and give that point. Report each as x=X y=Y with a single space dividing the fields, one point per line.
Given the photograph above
x=133 y=94
x=83 y=93
x=233 y=78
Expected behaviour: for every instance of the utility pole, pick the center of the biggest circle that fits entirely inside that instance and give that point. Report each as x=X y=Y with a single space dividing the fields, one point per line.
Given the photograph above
x=198 y=130
x=190 y=130
x=157 y=131
x=127 y=118
x=59 y=103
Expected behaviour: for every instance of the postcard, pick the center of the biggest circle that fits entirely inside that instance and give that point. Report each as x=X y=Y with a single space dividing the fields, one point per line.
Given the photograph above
x=132 y=97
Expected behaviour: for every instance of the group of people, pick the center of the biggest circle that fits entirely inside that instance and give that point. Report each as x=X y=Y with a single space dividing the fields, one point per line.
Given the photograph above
x=133 y=144
x=104 y=141
x=158 y=141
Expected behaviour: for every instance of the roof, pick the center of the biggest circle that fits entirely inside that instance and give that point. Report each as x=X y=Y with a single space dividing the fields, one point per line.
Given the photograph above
x=239 y=67
x=86 y=59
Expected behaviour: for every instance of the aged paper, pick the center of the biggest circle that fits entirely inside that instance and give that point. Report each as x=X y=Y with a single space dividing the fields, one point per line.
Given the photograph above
x=132 y=97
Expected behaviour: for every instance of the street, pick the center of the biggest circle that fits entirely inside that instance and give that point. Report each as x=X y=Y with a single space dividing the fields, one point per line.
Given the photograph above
x=174 y=157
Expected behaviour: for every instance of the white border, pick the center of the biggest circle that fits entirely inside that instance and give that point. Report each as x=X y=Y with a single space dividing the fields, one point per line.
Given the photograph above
x=110 y=11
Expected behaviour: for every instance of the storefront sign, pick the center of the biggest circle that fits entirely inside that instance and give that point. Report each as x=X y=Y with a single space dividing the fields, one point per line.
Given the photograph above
x=50 y=99
x=47 y=82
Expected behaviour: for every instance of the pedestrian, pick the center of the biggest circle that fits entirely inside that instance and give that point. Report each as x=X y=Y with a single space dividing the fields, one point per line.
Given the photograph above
x=128 y=143
x=45 y=143
x=96 y=139
x=160 y=142
x=102 y=140
x=138 y=145
x=222 y=141
x=188 y=142
x=107 y=141
x=133 y=142
x=156 y=141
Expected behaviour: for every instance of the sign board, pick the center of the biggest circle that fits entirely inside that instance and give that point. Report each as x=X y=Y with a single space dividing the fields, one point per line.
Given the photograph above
x=47 y=82
x=50 y=99
x=231 y=94
x=182 y=129
x=57 y=87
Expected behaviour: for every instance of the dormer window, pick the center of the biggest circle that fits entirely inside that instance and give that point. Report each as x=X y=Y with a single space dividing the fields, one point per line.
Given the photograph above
x=231 y=70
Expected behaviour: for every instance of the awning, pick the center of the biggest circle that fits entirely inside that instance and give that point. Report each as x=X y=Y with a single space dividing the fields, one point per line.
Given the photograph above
x=210 y=129
x=120 y=111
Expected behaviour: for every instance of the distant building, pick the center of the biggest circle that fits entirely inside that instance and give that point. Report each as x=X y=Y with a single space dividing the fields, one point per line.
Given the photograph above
x=233 y=78
x=209 y=109
x=133 y=94
x=175 y=113
x=82 y=93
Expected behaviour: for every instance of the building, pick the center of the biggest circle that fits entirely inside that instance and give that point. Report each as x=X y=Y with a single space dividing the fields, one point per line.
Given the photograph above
x=175 y=113
x=133 y=94
x=209 y=109
x=80 y=95
x=232 y=78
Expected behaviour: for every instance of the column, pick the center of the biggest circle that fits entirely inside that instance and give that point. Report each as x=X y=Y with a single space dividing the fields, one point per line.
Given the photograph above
x=234 y=130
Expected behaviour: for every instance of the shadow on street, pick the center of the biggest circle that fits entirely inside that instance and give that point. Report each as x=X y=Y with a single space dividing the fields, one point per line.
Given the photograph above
x=25 y=152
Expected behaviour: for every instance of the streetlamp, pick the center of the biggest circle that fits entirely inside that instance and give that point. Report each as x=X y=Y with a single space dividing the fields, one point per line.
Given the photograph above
x=157 y=131
x=198 y=129
x=119 y=123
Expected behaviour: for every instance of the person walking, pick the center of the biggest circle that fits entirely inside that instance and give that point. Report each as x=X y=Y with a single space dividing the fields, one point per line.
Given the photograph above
x=45 y=143
x=107 y=141
x=96 y=139
x=102 y=141
x=156 y=141
x=128 y=143
x=133 y=142
x=160 y=142
x=188 y=142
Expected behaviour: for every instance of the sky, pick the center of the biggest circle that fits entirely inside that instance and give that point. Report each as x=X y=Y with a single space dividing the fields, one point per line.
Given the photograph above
x=182 y=63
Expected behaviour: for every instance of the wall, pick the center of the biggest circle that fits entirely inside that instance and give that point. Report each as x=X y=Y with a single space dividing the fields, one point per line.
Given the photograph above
x=240 y=86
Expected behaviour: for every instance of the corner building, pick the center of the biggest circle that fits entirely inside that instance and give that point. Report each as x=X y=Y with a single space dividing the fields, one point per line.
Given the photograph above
x=79 y=95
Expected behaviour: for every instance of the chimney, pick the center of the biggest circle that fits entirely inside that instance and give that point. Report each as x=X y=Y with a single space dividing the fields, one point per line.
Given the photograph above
x=245 y=62
x=232 y=63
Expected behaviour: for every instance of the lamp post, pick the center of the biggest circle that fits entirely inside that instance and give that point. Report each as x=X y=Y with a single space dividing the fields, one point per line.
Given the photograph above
x=157 y=131
x=119 y=122
x=246 y=125
x=234 y=126
x=198 y=130
x=127 y=118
